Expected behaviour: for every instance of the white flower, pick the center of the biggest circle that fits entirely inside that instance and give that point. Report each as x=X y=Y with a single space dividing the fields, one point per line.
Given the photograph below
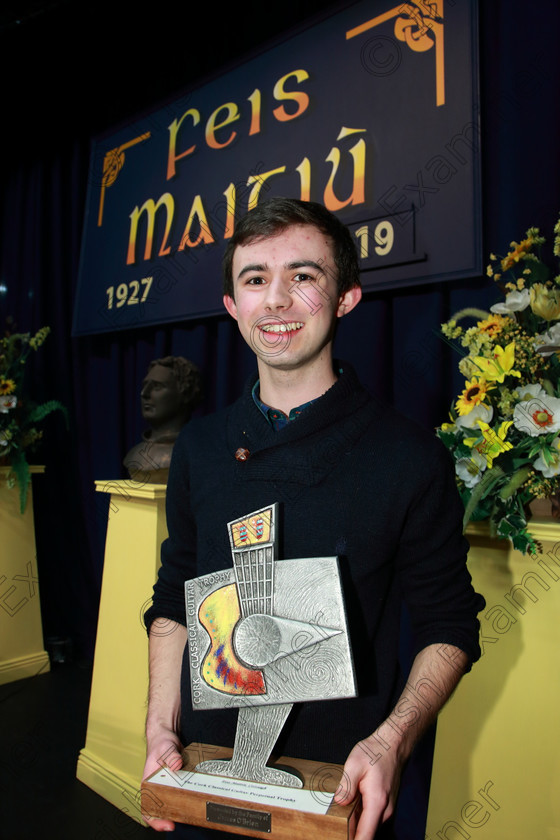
x=528 y=391
x=551 y=336
x=479 y=412
x=7 y=402
x=552 y=469
x=514 y=302
x=538 y=415
x=470 y=470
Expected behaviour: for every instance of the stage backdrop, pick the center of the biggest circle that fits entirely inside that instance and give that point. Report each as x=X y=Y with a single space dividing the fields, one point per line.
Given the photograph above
x=324 y=117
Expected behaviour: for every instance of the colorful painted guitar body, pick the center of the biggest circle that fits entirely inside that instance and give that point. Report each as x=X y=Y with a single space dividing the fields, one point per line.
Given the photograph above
x=221 y=669
x=252 y=544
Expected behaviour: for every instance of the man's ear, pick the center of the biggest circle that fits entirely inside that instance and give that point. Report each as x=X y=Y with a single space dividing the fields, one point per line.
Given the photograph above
x=230 y=306
x=348 y=301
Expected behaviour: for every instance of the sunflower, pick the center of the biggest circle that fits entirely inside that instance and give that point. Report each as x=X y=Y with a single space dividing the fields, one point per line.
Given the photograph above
x=492 y=325
x=7 y=386
x=474 y=393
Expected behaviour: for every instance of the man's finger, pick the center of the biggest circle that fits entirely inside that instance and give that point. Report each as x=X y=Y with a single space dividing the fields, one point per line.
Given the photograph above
x=174 y=761
x=346 y=790
x=370 y=819
x=158 y=825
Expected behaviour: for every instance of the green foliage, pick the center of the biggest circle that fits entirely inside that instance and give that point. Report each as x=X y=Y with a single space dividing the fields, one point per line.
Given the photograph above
x=20 y=468
x=19 y=417
x=41 y=411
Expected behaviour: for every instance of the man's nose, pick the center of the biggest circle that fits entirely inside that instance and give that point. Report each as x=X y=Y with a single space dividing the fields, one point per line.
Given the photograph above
x=278 y=295
x=146 y=390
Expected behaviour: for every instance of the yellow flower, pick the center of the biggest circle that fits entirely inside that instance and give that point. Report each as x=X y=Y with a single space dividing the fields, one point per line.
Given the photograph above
x=492 y=325
x=518 y=252
x=39 y=338
x=499 y=365
x=492 y=442
x=447 y=427
x=545 y=302
x=7 y=386
x=475 y=391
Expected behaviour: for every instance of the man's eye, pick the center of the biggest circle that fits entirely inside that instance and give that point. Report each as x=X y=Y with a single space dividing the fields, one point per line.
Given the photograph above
x=303 y=278
x=255 y=281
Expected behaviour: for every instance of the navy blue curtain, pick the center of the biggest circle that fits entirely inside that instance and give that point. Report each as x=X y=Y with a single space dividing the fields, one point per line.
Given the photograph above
x=391 y=338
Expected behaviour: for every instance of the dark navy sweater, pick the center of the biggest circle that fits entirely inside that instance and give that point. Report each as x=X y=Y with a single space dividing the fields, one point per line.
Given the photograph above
x=353 y=478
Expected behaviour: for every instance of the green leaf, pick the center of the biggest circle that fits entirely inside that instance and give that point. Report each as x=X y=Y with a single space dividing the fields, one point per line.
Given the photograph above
x=539 y=271
x=447 y=438
x=524 y=542
x=515 y=482
x=20 y=468
x=41 y=411
x=489 y=479
x=463 y=451
x=520 y=542
x=548 y=387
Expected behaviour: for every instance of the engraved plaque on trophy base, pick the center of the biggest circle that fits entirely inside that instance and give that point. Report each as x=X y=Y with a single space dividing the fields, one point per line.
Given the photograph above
x=252 y=809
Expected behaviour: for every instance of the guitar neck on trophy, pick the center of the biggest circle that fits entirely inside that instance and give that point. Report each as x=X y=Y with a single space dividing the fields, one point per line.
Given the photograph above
x=247 y=628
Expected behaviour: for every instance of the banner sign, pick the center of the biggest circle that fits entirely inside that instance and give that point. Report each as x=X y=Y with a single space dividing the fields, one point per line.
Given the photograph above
x=373 y=112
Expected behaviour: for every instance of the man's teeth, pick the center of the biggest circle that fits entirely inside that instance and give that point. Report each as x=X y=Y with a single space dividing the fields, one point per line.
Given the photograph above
x=280 y=328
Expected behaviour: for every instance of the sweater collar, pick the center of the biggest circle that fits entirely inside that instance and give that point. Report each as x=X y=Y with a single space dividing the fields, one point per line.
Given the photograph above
x=294 y=446
x=275 y=416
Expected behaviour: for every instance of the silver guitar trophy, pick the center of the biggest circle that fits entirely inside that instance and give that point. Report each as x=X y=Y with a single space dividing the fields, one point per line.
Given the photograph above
x=263 y=635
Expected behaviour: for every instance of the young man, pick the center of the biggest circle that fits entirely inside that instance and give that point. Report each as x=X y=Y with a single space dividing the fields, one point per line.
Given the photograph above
x=353 y=479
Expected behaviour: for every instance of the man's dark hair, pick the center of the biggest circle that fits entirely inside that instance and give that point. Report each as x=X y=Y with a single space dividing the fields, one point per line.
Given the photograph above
x=187 y=376
x=275 y=215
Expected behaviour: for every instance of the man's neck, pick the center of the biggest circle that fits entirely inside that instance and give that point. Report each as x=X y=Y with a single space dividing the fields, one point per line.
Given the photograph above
x=287 y=389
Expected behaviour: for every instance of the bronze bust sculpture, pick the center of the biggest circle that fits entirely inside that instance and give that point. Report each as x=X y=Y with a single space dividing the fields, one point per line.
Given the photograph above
x=170 y=392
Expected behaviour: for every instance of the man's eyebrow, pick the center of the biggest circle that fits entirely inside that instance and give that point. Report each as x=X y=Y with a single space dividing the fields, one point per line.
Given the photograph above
x=306 y=264
x=252 y=267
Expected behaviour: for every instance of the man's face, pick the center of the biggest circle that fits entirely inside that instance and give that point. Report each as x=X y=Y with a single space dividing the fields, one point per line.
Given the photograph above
x=286 y=300
x=160 y=397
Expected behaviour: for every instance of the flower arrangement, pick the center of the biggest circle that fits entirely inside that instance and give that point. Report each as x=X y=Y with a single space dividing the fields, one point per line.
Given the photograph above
x=18 y=416
x=504 y=429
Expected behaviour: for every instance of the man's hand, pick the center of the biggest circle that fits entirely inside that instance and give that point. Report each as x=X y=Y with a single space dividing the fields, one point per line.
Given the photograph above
x=164 y=751
x=374 y=765
x=167 y=643
x=372 y=769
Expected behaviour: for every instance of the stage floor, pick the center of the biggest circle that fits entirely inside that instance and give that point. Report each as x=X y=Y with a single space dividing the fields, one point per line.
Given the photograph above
x=44 y=720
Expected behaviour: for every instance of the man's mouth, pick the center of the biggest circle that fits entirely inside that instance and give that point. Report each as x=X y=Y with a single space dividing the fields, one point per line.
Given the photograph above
x=291 y=326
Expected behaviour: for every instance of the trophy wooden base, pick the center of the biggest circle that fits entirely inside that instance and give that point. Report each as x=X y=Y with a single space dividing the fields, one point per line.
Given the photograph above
x=254 y=818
